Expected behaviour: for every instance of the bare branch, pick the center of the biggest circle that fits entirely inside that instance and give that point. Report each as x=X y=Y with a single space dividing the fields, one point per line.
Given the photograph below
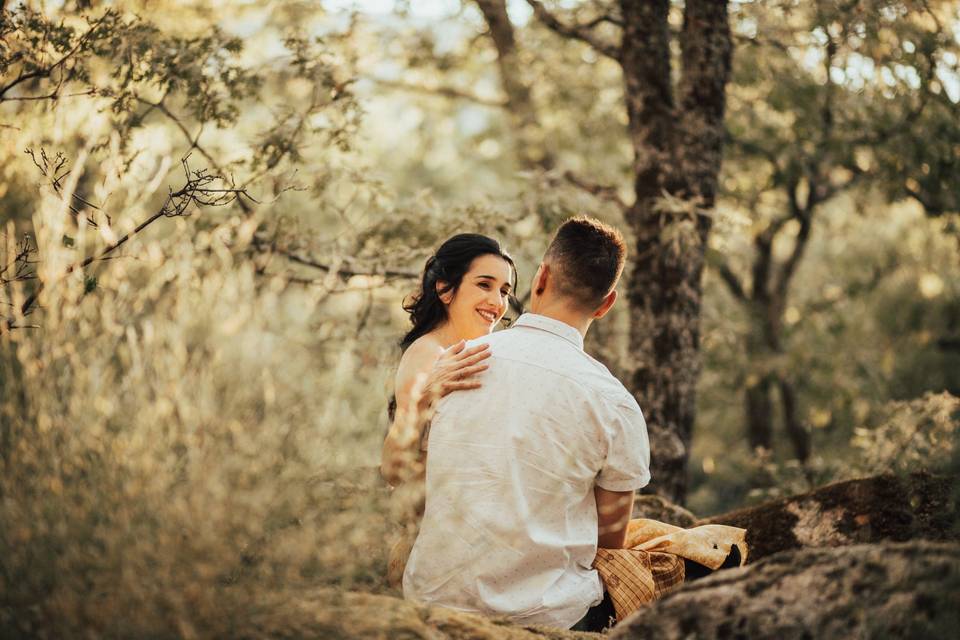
x=199 y=190
x=610 y=193
x=54 y=95
x=446 y=92
x=799 y=247
x=266 y=246
x=577 y=31
x=192 y=139
x=732 y=281
x=51 y=170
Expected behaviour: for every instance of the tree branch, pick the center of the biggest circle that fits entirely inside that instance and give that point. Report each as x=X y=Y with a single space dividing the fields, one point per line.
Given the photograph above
x=610 y=193
x=344 y=272
x=577 y=32
x=732 y=281
x=799 y=247
x=46 y=71
x=50 y=169
x=446 y=92
x=197 y=191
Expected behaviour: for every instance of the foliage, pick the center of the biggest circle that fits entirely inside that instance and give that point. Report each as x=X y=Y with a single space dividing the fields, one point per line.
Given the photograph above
x=161 y=447
x=899 y=437
x=164 y=451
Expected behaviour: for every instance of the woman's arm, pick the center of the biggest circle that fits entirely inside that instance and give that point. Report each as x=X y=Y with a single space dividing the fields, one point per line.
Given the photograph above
x=400 y=451
x=426 y=373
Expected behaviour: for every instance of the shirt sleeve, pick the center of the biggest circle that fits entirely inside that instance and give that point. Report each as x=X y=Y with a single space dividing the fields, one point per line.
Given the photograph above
x=627 y=465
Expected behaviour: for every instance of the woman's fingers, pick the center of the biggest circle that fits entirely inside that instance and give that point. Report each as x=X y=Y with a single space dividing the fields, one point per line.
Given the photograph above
x=474 y=359
x=466 y=372
x=463 y=379
x=461 y=385
x=474 y=350
x=455 y=348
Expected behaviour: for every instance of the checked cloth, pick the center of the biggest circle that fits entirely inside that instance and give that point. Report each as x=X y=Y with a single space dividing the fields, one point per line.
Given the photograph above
x=652 y=562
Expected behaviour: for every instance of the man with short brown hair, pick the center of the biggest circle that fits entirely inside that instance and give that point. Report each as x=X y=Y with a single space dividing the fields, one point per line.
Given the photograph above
x=530 y=473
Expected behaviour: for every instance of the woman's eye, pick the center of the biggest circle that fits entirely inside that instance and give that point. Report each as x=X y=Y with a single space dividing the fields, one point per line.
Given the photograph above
x=483 y=285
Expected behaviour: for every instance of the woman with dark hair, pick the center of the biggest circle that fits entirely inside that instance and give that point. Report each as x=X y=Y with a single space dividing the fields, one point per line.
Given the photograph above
x=463 y=294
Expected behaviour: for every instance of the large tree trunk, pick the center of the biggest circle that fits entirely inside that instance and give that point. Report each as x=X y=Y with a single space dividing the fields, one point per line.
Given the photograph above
x=863 y=591
x=677 y=148
x=877 y=509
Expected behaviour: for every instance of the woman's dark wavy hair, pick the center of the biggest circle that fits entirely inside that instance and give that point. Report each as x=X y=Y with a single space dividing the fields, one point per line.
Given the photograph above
x=449 y=264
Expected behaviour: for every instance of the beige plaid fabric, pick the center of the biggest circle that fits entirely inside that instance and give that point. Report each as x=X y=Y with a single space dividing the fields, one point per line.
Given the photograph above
x=652 y=565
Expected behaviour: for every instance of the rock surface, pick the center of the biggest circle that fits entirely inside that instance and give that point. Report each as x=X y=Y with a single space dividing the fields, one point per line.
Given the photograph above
x=862 y=591
x=659 y=508
x=877 y=509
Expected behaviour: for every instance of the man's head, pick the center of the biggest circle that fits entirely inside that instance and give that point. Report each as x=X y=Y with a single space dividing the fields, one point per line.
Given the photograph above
x=580 y=269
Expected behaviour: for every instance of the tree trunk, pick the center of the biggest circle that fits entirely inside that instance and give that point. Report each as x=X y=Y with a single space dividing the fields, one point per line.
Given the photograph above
x=797 y=431
x=677 y=147
x=881 y=508
x=863 y=591
x=759 y=410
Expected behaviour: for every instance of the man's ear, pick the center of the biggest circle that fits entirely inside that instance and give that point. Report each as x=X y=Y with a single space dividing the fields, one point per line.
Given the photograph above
x=444 y=293
x=541 y=279
x=605 y=306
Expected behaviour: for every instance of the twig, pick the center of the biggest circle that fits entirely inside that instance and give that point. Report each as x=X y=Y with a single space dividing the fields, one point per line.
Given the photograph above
x=732 y=281
x=344 y=272
x=51 y=169
x=576 y=31
x=197 y=191
x=446 y=92
x=602 y=191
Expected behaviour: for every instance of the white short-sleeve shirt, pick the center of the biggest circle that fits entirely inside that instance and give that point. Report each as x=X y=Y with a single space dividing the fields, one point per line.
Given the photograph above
x=510 y=526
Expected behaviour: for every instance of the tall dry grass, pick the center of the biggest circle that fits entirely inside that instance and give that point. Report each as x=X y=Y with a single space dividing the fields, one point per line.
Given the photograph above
x=182 y=442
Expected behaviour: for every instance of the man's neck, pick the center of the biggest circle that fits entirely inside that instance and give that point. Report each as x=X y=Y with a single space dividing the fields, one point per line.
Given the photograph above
x=561 y=311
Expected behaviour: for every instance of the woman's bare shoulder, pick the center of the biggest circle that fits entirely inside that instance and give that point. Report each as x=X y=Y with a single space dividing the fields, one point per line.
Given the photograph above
x=419 y=358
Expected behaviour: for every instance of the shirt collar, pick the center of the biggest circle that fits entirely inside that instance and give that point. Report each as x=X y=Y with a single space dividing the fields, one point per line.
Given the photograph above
x=550 y=325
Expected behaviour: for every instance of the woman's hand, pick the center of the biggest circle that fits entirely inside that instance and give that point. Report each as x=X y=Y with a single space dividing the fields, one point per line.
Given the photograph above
x=455 y=369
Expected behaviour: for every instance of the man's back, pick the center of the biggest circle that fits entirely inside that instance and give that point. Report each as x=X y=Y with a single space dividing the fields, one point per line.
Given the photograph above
x=510 y=526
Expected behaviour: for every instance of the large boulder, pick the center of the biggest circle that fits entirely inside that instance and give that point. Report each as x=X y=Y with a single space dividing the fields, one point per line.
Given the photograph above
x=881 y=508
x=862 y=591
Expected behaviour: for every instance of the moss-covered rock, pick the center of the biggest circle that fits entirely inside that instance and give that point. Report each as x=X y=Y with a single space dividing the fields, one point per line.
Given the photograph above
x=861 y=591
x=882 y=508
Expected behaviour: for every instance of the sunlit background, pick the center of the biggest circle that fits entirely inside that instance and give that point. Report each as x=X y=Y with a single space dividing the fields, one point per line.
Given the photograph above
x=216 y=390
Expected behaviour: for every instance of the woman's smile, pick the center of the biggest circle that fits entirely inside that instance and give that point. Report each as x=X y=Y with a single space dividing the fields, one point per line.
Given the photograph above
x=489 y=316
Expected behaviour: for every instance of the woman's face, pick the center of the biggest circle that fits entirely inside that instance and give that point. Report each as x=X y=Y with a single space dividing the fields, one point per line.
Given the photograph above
x=480 y=301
